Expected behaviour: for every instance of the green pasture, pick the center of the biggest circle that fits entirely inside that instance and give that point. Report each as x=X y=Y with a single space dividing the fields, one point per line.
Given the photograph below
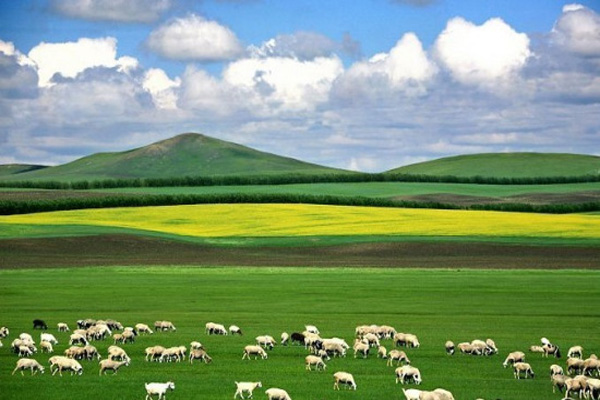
x=515 y=308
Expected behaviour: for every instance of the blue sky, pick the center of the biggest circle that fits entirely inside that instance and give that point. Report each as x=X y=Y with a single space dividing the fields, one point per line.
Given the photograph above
x=365 y=84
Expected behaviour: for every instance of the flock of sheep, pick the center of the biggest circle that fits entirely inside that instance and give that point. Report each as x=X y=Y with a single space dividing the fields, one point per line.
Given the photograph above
x=368 y=339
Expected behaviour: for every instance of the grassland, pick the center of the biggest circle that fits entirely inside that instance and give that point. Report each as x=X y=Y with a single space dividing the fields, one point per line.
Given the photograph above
x=515 y=308
x=502 y=165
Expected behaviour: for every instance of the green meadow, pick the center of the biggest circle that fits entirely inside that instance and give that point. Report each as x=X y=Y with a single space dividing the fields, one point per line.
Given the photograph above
x=515 y=308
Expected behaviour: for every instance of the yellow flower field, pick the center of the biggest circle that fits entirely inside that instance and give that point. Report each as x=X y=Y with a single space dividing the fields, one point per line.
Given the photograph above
x=270 y=220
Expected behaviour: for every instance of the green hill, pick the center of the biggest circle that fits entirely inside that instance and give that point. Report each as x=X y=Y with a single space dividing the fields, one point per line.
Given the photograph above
x=188 y=154
x=14 y=169
x=507 y=165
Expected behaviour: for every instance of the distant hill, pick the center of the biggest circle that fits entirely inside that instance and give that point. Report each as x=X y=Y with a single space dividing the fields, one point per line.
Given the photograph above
x=189 y=154
x=507 y=165
x=13 y=169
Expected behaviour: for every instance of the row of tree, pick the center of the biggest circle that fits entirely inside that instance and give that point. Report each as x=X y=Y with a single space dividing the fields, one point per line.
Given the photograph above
x=283 y=179
x=8 y=207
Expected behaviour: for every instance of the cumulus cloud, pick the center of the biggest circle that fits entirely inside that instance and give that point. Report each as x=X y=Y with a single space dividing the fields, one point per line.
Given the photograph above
x=578 y=30
x=162 y=88
x=113 y=10
x=70 y=58
x=195 y=38
x=482 y=54
x=305 y=45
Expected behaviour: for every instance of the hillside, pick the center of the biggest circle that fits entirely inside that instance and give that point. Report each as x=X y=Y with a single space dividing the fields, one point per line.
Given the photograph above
x=188 y=154
x=14 y=169
x=507 y=165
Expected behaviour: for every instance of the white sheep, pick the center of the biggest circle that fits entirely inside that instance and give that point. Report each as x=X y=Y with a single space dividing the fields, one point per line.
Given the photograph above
x=575 y=365
x=75 y=352
x=154 y=353
x=450 y=348
x=247 y=387
x=277 y=394
x=492 y=345
x=371 y=339
x=315 y=361
x=114 y=366
x=143 y=328
x=344 y=378
x=590 y=365
x=78 y=338
x=412 y=394
x=26 y=337
x=536 y=349
x=158 y=388
x=381 y=352
x=443 y=394
x=577 y=384
x=195 y=345
x=62 y=327
x=556 y=370
x=312 y=329
x=559 y=382
x=46 y=347
x=166 y=326
x=285 y=338
x=118 y=354
x=4 y=332
x=407 y=373
x=30 y=364
x=63 y=363
x=398 y=356
x=265 y=341
x=575 y=352
x=171 y=353
x=25 y=351
x=515 y=356
x=215 y=329
x=360 y=347
x=256 y=351
x=235 y=330
x=385 y=331
x=48 y=337
x=199 y=354
x=522 y=367
x=334 y=348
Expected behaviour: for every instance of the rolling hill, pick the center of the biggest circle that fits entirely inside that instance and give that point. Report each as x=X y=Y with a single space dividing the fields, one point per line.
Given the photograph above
x=507 y=165
x=12 y=169
x=188 y=154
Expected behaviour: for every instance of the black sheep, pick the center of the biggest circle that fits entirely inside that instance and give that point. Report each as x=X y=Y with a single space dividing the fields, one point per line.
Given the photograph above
x=39 y=324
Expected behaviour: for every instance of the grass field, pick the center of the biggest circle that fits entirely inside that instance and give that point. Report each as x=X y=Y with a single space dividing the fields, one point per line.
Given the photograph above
x=515 y=308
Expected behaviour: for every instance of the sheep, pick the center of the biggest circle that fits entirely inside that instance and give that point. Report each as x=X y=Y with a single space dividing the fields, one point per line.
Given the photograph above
x=362 y=330
x=407 y=373
x=196 y=345
x=200 y=354
x=265 y=341
x=63 y=363
x=361 y=347
x=398 y=356
x=118 y=338
x=143 y=328
x=98 y=332
x=385 y=332
x=482 y=347
x=165 y=326
x=317 y=361
x=247 y=387
x=556 y=370
x=4 y=332
x=406 y=339
x=77 y=338
x=285 y=338
x=212 y=328
x=310 y=338
x=18 y=343
x=277 y=394
x=39 y=324
x=593 y=388
x=590 y=365
x=91 y=352
x=550 y=349
x=558 y=382
x=30 y=364
x=575 y=352
x=75 y=352
x=153 y=353
x=575 y=365
x=158 y=388
x=112 y=324
x=381 y=352
x=468 y=348
x=344 y=378
x=48 y=337
x=26 y=337
x=334 y=348
x=128 y=336
x=576 y=384
x=297 y=338
x=515 y=356
x=256 y=351
x=118 y=354
x=25 y=351
x=450 y=348
x=46 y=347
x=312 y=329
x=62 y=327
x=114 y=366
x=171 y=353
x=85 y=323
x=443 y=394
x=522 y=367
x=235 y=330
x=412 y=394
x=536 y=349
x=372 y=339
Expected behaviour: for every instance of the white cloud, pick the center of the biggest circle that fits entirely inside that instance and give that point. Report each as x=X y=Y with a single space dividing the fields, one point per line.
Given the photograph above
x=195 y=38
x=162 y=88
x=202 y=92
x=578 y=29
x=482 y=54
x=113 y=10
x=302 y=45
x=71 y=58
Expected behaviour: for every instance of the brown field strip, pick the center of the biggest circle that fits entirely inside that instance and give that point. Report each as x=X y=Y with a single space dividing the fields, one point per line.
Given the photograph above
x=110 y=250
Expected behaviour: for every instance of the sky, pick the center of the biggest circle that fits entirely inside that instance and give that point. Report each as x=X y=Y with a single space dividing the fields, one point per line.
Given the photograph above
x=366 y=85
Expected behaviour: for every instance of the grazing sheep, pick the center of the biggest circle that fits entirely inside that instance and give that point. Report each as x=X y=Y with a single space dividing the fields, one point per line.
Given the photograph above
x=48 y=337
x=317 y=361
x=492 y=345
x=450 y=348
x=344 y=378
x=46 y=347
x=558 y=382
x=18 y=343
x=196 y=345
x=165 y=326
x=381 y=352
x=215 y=329
x=284 y=338
x=114 y=366
x=26 y=337
x=277 y=394
x=443 y=394
x=128 y=336
x=361 y=347
x=85 y=323
x=468 y=348
x=247 y=387
x=522 y=367
x=118 y=354
x=590 y=365
x=143 y=328
x=62 y=327
x=297 y=338
x=39 y=324
x=4 y=332
x=75 y=352
x=577 y=384
x=536 y=349
x=98 y=332
x=63 y=363
x=171 y=353
x=412 y=394
x=235 y=330
x=91 y=352
x=593 y=388
x=154 y=353
x=398 y=356
x=575 y=366
x=482 y=347
x=408 y=373
x=158 y=388
x=312 y=329
x=25 y=351
x=265 y=341
x=118 y=338
x=77 y=338
x=30 y=364
x=515 y=356
x=550 y=349
x=575 y=352
x=256 y=351
x=334 y=349
x=385 y=332
x=556 y=370
x=372 y=339
x=199 y=354
x=310 y=338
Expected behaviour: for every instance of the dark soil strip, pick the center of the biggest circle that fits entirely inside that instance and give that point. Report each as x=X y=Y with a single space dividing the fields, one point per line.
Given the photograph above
x=107 y=250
